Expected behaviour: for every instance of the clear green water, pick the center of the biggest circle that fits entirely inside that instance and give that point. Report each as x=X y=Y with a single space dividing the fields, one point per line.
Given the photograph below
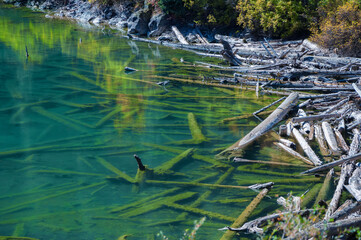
x=71 y=103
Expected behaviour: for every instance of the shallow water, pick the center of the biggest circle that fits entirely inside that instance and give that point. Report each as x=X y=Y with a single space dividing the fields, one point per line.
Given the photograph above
x=71 y=117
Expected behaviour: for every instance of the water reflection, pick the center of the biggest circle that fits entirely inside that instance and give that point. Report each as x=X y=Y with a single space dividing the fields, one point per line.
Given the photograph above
x=72 y=118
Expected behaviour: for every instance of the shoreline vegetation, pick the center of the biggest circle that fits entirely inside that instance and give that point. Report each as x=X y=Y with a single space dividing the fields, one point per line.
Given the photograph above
x=317 y=119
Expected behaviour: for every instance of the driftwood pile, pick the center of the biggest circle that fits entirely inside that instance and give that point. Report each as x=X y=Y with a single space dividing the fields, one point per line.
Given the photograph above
x=329 y=121
x=324 y=116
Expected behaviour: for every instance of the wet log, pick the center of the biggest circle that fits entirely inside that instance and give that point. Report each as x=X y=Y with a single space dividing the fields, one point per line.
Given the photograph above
x=345 y=205
x=337 y=194
x=245 y=214
x=263 y=127
x=341 y=141
x=179 y=35
x=306 y=148
x=330 y=137
x=333 y=164
x=294 y=153
x=321 y=140
x=354 y=186
x=315 y=117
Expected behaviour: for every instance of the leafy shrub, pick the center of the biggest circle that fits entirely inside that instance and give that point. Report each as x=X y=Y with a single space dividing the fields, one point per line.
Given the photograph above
x=276 y=18
x=341 y=30
x=213 y=12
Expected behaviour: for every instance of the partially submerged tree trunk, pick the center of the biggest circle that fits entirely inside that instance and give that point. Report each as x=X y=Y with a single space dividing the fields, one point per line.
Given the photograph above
x=262 y=128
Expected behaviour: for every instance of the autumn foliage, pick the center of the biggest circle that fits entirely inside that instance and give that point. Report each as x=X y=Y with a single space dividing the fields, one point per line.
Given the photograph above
x=341 y=30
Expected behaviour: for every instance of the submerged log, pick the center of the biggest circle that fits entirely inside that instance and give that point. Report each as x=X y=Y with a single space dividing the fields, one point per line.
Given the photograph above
x=263 y=127
x=325 y=188
x=294 y=153
x=245 y=214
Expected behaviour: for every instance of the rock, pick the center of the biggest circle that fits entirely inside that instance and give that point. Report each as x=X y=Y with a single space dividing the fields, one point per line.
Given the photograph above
x=157 y=25
x=138 y=22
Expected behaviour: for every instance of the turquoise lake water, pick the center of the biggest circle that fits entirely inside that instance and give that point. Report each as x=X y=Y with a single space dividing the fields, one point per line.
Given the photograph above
x=71 y=120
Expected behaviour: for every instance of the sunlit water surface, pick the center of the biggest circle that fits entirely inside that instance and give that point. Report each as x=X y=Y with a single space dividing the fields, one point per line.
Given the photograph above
x=71 y=119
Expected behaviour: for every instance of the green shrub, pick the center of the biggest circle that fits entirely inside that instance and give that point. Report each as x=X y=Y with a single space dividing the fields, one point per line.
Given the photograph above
x=172 y=7
x=341 y=30
x=276 y=18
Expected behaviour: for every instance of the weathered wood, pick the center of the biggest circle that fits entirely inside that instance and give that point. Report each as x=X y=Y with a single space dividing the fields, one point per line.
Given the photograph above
x=265 y=126
x=341 y=141
x=354 y=186
x=333 y=164
x=356 y=89
x=334 y=227
x=304 y=124
x=282 y=130
x=341 y=125
x=347 y=211
x=330 y=137
x=355 y=144
x=337 y=194
x=305 y=103
x=315 y=117
x=294 y=153
x=306 y=148
x=321 y=140
x=336 y=106
x=245 y=214
x=179 y=35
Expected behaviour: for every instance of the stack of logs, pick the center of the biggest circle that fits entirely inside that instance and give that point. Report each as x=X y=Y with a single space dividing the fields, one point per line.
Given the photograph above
x=329 y=118
x=327 y=121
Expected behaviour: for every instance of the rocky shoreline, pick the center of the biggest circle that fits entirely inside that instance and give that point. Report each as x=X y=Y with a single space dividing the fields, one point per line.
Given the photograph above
x=141 y=21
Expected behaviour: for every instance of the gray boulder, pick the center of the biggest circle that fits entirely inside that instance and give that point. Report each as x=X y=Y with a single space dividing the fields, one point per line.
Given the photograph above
x=157 y=25
x=138 y=22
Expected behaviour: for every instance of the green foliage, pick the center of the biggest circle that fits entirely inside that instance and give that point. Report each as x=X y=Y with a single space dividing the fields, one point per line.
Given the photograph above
x=340 y=29
x=277 y=18
x=211 y=12
x=172 y=7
